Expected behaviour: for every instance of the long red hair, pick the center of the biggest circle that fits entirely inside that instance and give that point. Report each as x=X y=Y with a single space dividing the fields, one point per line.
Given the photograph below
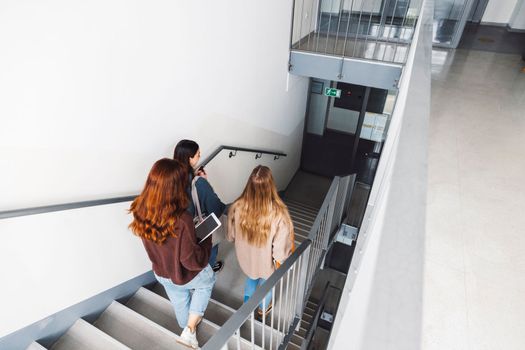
x=162 y=201
x=259 y=206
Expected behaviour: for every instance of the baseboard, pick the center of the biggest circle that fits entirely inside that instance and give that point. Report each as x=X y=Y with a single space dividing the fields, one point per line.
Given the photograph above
x=494 y=24
x=503 y=25
x=48 y=330
x=515 y=30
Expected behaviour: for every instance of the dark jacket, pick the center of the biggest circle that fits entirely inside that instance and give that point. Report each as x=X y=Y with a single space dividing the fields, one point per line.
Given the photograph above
x=179 y=258
x=209 y=201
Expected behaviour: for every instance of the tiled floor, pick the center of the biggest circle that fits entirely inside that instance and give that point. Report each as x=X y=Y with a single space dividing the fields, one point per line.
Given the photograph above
x=492 y=38
x=308 y=188
x=474 y=294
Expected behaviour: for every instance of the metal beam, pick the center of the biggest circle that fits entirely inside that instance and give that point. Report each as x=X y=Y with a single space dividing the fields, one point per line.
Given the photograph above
x=355 y=71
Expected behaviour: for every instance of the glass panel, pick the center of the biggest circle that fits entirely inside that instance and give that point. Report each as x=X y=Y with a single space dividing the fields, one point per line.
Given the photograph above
x=448 y=16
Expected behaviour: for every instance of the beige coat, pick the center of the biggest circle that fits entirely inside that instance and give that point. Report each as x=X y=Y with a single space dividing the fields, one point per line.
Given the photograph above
x=258 y=262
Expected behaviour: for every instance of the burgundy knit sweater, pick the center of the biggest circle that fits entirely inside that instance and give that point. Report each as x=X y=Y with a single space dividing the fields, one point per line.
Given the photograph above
x=179 y=258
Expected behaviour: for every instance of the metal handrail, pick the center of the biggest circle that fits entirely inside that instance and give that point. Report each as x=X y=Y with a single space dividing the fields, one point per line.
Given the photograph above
x=92 y=203
x=60 y=207
x=208 y=159
x=229 y=328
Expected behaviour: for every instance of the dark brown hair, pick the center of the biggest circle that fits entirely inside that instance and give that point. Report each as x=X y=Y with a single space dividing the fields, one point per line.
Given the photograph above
x=162 y=201
x=185 y=150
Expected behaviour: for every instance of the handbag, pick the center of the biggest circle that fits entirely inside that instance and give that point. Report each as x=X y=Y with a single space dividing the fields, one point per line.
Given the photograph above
x=195 y=197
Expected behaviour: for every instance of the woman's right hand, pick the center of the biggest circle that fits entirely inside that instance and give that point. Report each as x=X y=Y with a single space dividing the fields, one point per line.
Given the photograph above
x=201 y=172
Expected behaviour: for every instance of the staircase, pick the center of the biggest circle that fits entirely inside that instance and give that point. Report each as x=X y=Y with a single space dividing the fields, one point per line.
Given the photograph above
x=147 y=321
x=303 y=217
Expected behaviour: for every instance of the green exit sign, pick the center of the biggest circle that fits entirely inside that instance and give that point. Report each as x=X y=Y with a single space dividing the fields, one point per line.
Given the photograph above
x=331 y=92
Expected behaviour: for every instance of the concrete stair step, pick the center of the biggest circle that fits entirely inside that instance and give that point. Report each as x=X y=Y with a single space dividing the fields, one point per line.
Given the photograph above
x=299 y=239
x=307 y=318
x=218 y=313
x=303 y=220
x=304 y=205
x=297 y=212
x=307 y=213
x=305 y=325
x=301 y=332
x=35 y=346
x=300 y=233
x=135 y=330
x=309 y=311
x=304 y=227
x=312 y=305
x=83 y=336
x=297 y=340
x=293 y=346
x=159 y=309
x=296 y=204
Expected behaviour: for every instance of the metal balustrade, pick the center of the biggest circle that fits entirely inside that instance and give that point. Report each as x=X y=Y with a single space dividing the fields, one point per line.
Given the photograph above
x=380 y=30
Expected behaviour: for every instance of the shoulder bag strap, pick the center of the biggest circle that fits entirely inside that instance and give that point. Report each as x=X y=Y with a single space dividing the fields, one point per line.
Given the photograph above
x=195 y=198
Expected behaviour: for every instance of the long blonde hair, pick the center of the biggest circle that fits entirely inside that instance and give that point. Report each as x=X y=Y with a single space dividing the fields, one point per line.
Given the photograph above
x=259 y=206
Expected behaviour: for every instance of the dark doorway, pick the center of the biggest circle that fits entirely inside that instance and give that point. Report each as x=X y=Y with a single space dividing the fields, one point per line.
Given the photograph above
x=330 y=146
x=477 y=11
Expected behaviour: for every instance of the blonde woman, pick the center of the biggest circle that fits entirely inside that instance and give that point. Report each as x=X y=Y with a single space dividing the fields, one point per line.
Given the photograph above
x=260 y=225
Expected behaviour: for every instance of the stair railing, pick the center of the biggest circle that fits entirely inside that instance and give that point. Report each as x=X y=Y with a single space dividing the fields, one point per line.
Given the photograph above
x=323 y=231
x=289 y=285
x=92 y=203
x=310 y=333
x=315 y=319
x=284 y=284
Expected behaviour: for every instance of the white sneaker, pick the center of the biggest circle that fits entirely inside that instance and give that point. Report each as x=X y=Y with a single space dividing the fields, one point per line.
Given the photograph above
x=188 y=338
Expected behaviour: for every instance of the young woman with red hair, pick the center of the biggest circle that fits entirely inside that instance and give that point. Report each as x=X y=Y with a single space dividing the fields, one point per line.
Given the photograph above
x=167 y=231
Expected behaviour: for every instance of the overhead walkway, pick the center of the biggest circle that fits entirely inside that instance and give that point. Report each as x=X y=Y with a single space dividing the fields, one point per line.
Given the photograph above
x=364 y=43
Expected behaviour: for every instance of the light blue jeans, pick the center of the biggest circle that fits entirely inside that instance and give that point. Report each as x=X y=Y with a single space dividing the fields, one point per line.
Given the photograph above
x=250 y=286
x=192 y=297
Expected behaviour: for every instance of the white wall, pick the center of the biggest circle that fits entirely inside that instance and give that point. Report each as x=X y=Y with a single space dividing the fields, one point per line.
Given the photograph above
x=499 y=11
x=518 y=17
x=52 y=261
x=93 y=93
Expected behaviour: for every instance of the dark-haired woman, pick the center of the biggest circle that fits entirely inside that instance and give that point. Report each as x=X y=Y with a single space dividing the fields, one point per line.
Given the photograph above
x=188 y=152
x=167 y=231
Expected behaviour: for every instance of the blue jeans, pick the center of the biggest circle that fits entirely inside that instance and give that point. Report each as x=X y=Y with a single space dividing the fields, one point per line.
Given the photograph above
x=213 y=254
x=249 y=288
x=182 y=299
